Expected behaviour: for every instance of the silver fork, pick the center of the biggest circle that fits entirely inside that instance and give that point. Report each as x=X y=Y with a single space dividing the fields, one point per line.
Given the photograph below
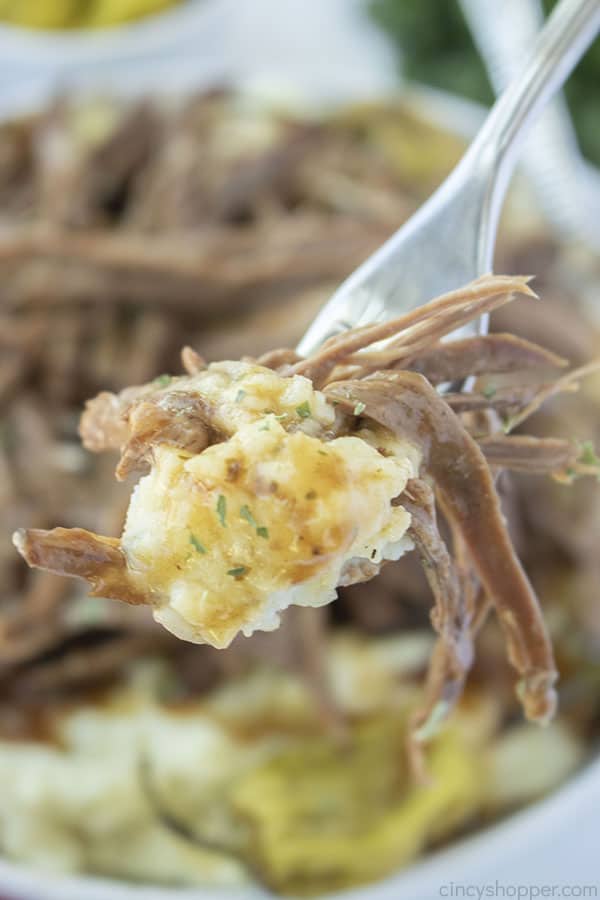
x=450 y=240
x=567 y=187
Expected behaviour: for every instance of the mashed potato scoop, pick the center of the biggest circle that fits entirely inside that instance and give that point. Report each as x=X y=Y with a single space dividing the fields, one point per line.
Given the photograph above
x=277 y=511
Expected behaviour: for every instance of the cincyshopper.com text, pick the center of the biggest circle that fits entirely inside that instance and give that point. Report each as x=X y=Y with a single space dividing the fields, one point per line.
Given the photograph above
x=455 y=890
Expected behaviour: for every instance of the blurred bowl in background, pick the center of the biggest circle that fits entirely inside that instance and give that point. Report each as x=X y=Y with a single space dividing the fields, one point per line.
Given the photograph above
x=128 y=58
x=69 y=14
x=314 y=55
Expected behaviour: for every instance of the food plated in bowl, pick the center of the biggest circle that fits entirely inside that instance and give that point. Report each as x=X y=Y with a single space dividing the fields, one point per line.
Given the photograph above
x=145 y=248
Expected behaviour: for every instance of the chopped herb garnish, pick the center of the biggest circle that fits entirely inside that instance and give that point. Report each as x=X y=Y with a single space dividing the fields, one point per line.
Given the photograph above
x=222 y=509
x=321 y=453
x=264 y=427
x=246 y=514
x=303 y=410
x=240 y=395
x=489 y=391
x=588 y=454
x=163 y=380
x=238 y=571
x=359 y=408
x=200 y=548
x=311 y=495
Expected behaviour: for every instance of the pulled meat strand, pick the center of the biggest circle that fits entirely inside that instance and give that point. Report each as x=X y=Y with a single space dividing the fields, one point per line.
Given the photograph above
x=43 y=637
x=406 y=404
x=77 y=552
x=87 y=665
x=178 y=419
x=522 y=453
x=399 y=351
x=41 y=605
x=489 y=354
x=501 y=400
x=224 y=267
x=568 y=382
x=415 y=330
x=103 y=424
x=452 y=655
x=307 y=634
x=277 y=359
x=191 y=361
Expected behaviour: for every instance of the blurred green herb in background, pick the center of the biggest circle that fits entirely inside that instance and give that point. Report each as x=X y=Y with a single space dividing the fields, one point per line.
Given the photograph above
x=437 y=49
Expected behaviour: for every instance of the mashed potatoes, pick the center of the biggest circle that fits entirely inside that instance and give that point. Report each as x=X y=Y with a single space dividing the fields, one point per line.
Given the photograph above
x=82 y=803
x=260 y=494
x=275 y=514
x=244 y=783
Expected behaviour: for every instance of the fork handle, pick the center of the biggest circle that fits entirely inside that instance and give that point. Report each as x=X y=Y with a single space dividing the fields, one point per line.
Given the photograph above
x=566 y=35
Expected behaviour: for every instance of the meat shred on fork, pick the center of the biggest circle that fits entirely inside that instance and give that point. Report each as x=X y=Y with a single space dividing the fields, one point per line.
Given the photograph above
x=385 y=373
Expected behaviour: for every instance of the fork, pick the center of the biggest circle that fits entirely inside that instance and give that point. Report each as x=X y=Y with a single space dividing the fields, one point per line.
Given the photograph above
x=450 y=240
x=567 y=187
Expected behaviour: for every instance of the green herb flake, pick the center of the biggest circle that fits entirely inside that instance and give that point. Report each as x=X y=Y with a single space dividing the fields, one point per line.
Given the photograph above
x=238 y=571
x=246 y=514
x=359 y=408
x=311 y=495
x=322 y=453
x=489 y=391
x=240 y=395
x=222 y=509
x=200 y=548
x=264 y=427
x=588 y=455
x=163 y=380
x=303 y=410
